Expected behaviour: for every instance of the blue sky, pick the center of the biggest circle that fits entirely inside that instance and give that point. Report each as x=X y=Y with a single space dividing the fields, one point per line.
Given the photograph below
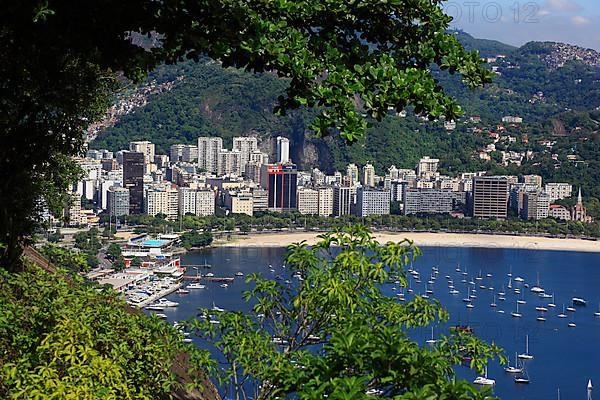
x=519 y=21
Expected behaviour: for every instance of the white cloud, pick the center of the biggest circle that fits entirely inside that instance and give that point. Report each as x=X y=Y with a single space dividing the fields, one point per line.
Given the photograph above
x=562 y=5
x=578 y=20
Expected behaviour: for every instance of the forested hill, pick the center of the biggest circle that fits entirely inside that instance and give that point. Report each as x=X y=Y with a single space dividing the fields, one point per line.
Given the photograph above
x=538 y=82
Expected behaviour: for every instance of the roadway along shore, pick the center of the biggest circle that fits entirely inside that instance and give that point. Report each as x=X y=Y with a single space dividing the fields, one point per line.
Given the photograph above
x=441 y=239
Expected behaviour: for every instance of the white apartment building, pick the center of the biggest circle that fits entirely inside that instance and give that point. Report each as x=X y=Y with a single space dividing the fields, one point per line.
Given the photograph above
x=239 y=202
x=368 y=176
x=308 y=201
x=427 y=165
x=352 y=174
x=162 y=200
x=205 y=202
x=229 y=163
x=145 y=147
x=558 y=191
x=325 y=201
x=245 y=146
x=208 y=153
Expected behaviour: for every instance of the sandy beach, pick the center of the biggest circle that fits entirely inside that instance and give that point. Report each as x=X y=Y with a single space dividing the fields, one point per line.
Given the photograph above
x=427 y=239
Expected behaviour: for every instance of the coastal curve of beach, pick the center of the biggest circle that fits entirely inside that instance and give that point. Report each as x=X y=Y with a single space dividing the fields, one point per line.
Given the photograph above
x=428 y=239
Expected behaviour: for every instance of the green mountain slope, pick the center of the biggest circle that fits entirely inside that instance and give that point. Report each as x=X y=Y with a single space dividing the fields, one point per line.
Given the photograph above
x=228 y=102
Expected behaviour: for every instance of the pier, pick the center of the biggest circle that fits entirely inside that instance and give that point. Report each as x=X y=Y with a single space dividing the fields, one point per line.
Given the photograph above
x=208 y=278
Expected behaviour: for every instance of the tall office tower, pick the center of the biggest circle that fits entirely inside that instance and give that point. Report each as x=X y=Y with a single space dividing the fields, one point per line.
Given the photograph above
x=342 y=200
x=118 y=201
x=490 y=197
x=352 y=174
x=427 y=165
x=208 y=153
x=281 y=182
x=283 y=149
x=133 y=179
x=145 y=147
x=245 y=145
x=229 y=163
x=368 y=177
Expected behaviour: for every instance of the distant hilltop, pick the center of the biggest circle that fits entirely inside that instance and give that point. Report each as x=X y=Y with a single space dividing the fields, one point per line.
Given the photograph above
x=556 y=55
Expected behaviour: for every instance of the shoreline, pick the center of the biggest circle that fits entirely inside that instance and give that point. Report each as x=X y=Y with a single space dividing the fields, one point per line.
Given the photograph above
x=425 y=239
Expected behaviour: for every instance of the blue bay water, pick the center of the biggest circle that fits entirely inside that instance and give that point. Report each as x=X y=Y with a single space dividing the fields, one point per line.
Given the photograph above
x=564 y=357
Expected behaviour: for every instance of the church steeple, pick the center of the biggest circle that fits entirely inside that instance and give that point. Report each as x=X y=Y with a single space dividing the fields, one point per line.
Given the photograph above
x=579 y=201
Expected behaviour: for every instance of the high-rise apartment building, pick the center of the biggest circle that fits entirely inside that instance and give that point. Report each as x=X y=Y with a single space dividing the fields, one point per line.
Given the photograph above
x=558 y=191
x=427 y=165
x=205 y=202
x=176 y=152
x=368 y=176
x=427 y=201
x=536 y=205
x=146 y=148
x=283 y=149
x=371 y=201
x=260 y=199
x=245 y=145
x=325 y=201
x=133 y=180
x=308 y=201
x=490 y=197
x=281 y=181
x=532 y=180
x=352 y=174
x=118 y=201
x=229 y=163
x=239 y=202
x=208 y=153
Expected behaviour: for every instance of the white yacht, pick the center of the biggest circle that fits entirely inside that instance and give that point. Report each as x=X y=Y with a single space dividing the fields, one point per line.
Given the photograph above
x=196 y=285
x=484 y=380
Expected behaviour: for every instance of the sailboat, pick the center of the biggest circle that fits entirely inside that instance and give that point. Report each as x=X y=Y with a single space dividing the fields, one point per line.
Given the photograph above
x=509 y=271
x=457 y=268
x=468 y=298
x=597 y=313
x=522 y=299
x=514 y=369
x=537 y=288
x=562 y=314
x=541 y=317
x=494 y=301
x=572 y=323
x=516 y=313
x=509 y=283
x=526 y=355
x=484 y=380
x=432 y=340
x=523 y=378
x=552 y=305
